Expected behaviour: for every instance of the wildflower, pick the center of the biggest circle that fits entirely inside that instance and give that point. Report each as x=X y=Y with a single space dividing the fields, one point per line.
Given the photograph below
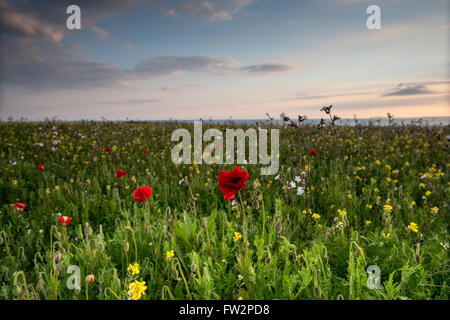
x=19 y=206
x=120 y=173
x=134 y=268
x=386 y=236
x=387 y=208
x=170 y=254
x=368 y=222
x=41 y=167
x=435 y=210
x=231 y=182
x=136 y=289
x=107 y=149
x=316 y=216
x=413 y=227
x=240 y=277
x=297 y=179
x=300 y=191
x=342 y=213
x=64 y=221
x=369 y=206
x=145 y=151
x=413 y=203
x=141 y=194
x=427 y=193
x=237 y=236
x=313 y=153
x=56 y=188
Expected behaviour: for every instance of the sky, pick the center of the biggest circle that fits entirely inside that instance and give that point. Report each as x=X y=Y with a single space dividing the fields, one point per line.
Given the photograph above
x=216 y=59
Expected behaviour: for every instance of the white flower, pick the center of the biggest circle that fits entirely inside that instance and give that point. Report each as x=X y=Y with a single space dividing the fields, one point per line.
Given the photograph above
x=297 y=179
x=181 y=181
x=300 y=191
x=277 y=177
x=292 y=185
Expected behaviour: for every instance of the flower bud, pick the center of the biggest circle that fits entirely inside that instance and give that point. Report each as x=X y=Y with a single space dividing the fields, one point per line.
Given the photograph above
x=89 y=279
x=58 y=258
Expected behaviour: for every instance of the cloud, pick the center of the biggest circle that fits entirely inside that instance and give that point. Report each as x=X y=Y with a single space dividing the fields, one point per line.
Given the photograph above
x=13 y=20
x=173 y=65
x=408 y=90
x=327 y=96
x=129 y=101
x=269 y=68
x=208 y=9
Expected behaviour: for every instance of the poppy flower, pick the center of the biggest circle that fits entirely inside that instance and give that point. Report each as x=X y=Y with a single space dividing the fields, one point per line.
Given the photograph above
x=120 y=173
x=19 y=206
x=313 y=153
x=141 y=194
x=64 y=221
x=231 y=182
x=41 y=167
x=145 y=151
x=108 y=149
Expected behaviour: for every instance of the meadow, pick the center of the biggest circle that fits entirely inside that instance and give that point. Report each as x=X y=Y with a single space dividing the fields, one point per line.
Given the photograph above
x=346 y=197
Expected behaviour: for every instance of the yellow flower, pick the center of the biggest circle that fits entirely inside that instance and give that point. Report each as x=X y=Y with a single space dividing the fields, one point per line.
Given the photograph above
x=413 y=227
x=427 y=193
x=134 y=268
x=237 y=236
x=413 y=203
x=386 y=236
x=369 y=206
x=368 y=222
x=136 y=289
x=56 y=188
x=169 y=254
x=342 y=213
x=387 y=207
x=378 y=162
x=316 y=216
x=435 y=210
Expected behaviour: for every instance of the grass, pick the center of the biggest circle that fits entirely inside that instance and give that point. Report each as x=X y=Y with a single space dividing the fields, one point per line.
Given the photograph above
x=363 y=189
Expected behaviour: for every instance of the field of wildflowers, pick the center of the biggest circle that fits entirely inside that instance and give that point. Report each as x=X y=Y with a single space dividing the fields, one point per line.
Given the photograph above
x=105 y=197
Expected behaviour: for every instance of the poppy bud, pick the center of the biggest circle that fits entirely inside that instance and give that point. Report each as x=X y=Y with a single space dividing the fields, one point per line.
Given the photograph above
x=62 y=250
x=126 y=246
x=87 y=229
x=90 y=278
x=58 y=258
x=128 y=228
x=39 y=285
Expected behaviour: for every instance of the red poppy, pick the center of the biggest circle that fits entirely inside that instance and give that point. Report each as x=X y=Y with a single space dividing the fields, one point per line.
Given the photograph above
x=231 y=182
x=41 y=167
x=141 y=194
x=19 y=206
x=145 y=151
x=108 y=149
x=120 y=173
x=313 y=153
x=64 y=221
